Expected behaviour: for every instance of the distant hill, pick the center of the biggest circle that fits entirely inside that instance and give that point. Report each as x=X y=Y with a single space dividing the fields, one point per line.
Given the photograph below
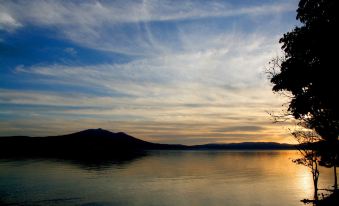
x=245 y=146
x=92 y=143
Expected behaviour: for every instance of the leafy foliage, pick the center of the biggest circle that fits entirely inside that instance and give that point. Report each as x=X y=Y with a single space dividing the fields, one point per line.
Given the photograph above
x=309 y=68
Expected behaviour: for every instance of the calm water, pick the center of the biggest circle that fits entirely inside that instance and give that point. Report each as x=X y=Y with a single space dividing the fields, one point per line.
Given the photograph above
x=162 y=178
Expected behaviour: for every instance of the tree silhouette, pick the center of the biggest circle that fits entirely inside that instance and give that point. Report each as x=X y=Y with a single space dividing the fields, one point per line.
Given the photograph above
x=309 y=155
x=308 y=71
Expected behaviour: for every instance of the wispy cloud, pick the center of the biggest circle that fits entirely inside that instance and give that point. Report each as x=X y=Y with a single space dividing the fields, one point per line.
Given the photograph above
x=95 y=13
x=123 y=26
x=231 y=61
x=8 y=23
x=229 y=75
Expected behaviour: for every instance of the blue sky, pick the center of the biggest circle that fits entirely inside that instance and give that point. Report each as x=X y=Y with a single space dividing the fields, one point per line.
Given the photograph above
x=186 y=72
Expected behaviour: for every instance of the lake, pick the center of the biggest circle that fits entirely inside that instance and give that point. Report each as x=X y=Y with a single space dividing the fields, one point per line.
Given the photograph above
x=162 y=178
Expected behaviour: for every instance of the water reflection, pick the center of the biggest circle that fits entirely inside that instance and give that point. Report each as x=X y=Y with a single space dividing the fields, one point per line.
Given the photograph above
x=97 y=164
x=106 y=163
x=161 y=178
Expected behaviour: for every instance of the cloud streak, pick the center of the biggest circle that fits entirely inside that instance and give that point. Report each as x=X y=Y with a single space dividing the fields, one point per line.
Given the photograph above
x=123 y=26
x=93 y=13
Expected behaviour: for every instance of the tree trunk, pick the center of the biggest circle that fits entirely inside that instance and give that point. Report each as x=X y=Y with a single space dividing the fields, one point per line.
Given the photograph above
x=315 y=182
x=335 y=173
x=315 y=173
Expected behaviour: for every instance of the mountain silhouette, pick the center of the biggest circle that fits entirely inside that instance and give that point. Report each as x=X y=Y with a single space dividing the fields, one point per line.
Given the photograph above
x=87 y=143
x=94 y=143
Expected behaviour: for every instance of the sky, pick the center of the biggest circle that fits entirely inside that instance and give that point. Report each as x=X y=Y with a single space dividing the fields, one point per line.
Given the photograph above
x=176 y=71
